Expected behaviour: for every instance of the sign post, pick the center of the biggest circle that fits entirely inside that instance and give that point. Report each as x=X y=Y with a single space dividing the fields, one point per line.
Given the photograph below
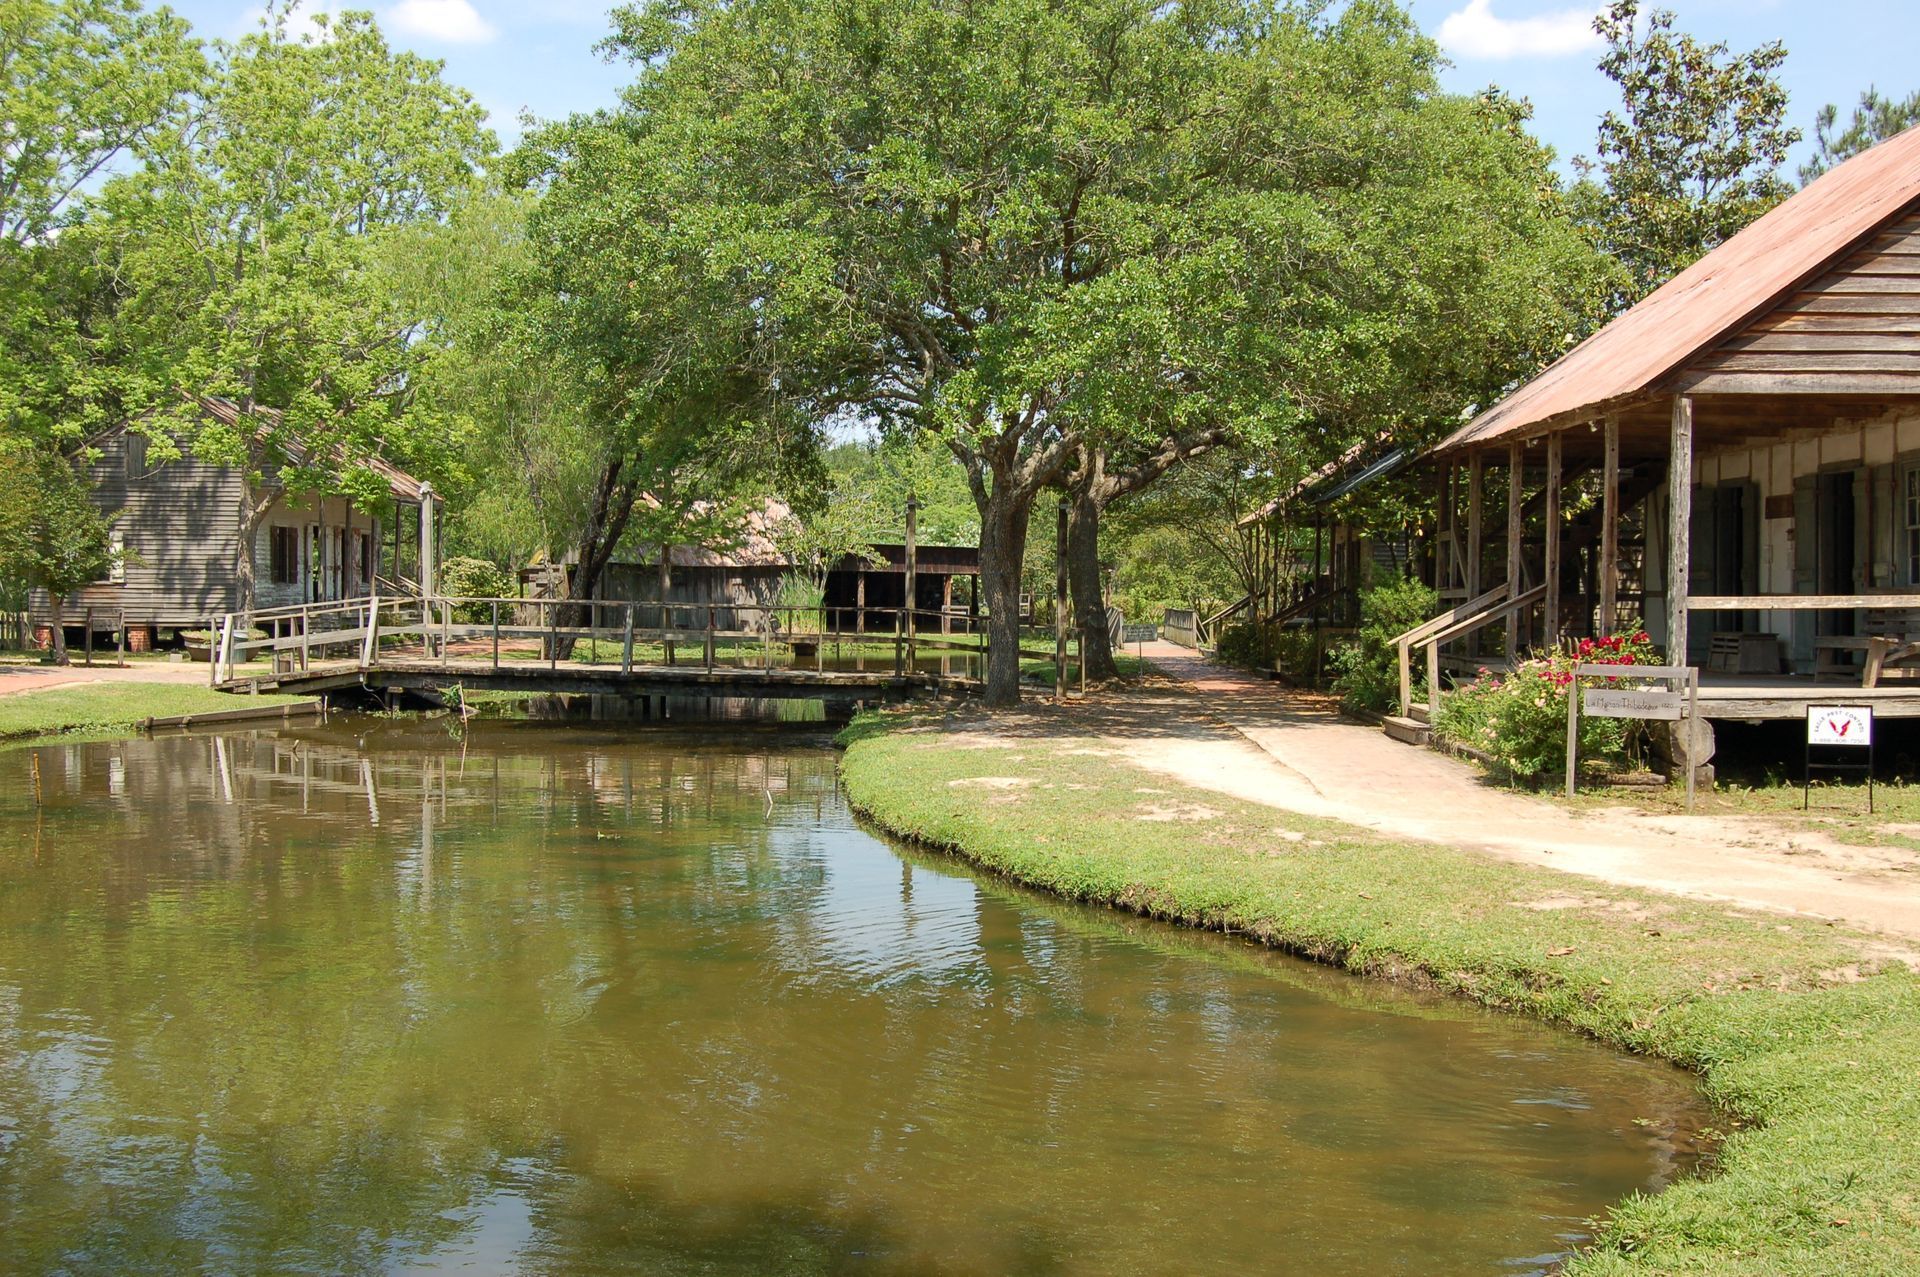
x=1670 y=704
x=1839 y=732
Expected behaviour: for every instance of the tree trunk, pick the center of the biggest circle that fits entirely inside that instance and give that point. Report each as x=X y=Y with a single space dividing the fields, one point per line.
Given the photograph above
x=252 y=511
x=612 y=509
x=1003 y=549
x=1083 y=580
x=58 y=606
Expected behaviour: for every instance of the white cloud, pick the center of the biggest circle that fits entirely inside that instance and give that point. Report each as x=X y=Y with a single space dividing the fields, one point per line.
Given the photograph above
x=455 y=21
x=1477 y=32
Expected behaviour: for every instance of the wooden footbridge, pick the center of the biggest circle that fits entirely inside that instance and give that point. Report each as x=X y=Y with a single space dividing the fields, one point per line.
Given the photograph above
x=561 y=646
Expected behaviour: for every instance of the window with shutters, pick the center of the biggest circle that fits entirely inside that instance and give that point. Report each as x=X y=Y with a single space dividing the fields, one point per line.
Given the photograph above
x=284 y=548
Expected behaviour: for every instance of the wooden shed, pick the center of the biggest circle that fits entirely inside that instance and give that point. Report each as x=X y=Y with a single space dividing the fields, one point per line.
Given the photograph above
x=1734 y=463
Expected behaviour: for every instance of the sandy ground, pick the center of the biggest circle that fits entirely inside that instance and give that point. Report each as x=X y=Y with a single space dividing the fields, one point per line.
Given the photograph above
x=1236 y=734
x=15 y=679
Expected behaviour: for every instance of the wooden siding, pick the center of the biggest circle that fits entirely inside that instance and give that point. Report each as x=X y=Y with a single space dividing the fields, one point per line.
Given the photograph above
x=1853 y=330
x=180 y=524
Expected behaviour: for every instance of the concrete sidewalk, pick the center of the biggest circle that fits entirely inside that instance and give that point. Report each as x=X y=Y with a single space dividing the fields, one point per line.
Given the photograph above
x=1290 y=750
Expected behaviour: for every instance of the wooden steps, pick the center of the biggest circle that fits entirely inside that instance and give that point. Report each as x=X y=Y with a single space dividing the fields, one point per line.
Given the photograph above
x=1413 y=731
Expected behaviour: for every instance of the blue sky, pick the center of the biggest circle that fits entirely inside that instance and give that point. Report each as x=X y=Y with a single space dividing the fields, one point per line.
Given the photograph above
x=539 y=57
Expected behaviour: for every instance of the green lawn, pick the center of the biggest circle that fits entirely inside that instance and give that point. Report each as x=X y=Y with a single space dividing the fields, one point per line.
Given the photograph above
x=109 y=707
x=1808 y=1042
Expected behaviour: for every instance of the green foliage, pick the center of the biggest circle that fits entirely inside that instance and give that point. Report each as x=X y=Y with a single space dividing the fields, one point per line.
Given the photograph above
x=246 y=247
x=85 y=85
x=1179 y=542
x=1876 y=119
x=466 y=578
x=883 y=475
x=1694 y=152
x=1367 y=668
x=52 y=537
x=807 y=598
x=1023 y=230
x=1249 y=644
x=1519 y=718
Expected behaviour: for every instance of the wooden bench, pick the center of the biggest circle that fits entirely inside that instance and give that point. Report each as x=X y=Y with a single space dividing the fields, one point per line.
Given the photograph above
x=1889 y=648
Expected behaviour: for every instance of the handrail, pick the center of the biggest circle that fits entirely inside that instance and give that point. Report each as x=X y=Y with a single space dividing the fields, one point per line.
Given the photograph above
x=1434 y=625
x=1307 y=603
x=1204 y=628
x=1472 y=615
x=375 y=620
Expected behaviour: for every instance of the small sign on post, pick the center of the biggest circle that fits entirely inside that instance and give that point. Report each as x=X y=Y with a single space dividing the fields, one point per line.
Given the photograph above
x=1671 y=704
x=1839 y=733
x=1140 y=635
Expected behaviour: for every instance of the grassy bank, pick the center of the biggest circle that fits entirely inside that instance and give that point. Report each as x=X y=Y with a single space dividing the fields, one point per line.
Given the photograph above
x=1799 y=1031
x=111 y=707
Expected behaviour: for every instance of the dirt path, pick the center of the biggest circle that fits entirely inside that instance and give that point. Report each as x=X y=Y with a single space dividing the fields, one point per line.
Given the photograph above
x=1287 y=749
x=16 y=679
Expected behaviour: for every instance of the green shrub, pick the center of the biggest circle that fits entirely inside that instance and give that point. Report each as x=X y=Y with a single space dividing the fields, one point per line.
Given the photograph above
x=1294 y=648
x=1367 y=667
x=474 y=579
x=1519 y=718
x=1248 y=644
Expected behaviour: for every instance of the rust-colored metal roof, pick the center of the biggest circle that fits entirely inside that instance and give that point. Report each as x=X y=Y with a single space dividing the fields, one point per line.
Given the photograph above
x=1707 y=302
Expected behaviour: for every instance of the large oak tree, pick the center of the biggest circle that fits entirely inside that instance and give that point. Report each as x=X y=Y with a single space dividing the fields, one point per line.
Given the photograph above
x=1035 y=230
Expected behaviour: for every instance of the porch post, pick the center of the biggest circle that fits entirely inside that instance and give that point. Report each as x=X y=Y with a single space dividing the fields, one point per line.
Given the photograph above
x=1476 y=545
x=1610 y=532
x=1516 y=477
x=1552 y=532
x=1679 y=523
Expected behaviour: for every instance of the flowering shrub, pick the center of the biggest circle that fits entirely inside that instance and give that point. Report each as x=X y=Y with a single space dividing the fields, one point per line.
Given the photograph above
x=1519 y=718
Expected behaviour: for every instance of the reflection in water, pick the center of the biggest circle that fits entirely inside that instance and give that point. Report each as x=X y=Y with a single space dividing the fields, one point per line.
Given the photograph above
x=594 y=1000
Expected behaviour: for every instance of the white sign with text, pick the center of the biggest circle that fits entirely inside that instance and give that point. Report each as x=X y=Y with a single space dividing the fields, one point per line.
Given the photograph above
x=1840 y=725
x=1602 y=702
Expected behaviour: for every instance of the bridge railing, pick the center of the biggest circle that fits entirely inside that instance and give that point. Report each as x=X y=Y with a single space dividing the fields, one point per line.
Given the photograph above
x=579 y=631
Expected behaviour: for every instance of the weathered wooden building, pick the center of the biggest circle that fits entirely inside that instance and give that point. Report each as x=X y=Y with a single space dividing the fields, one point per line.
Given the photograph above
x=178 y=530
x=1733 y=463
x=862 y=591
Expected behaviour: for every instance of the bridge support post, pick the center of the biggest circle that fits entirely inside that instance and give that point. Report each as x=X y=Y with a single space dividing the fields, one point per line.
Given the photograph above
x=913 y=578
x=370 y=645
x=496 y=636
x=626 y=644
x=710 y=636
